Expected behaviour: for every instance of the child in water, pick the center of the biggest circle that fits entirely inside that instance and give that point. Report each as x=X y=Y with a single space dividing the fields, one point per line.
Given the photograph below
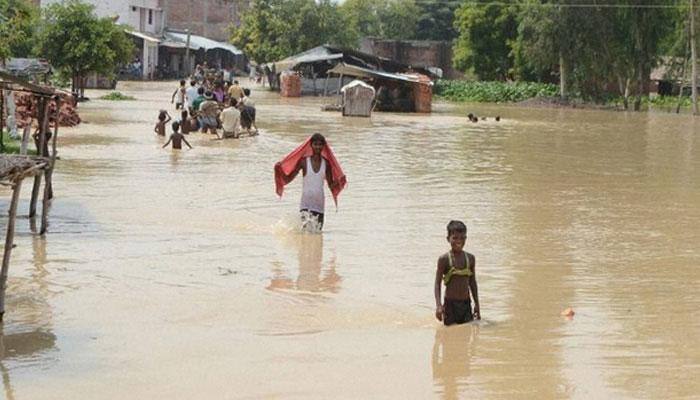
x=163 y=118
x=180 y=93
x=457 y=269
x=176 y=137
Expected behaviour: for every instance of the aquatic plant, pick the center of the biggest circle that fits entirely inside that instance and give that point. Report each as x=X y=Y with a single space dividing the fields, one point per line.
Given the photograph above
x=117 y=96
x=493 y=91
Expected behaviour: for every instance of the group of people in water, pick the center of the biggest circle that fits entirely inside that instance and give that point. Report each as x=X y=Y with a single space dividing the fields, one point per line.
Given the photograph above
x=213 y=107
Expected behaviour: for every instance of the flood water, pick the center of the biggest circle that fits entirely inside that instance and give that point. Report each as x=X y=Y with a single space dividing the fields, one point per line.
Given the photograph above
x=180 y=274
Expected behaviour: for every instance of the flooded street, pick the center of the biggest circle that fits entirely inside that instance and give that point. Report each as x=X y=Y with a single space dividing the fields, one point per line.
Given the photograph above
x=181 y=275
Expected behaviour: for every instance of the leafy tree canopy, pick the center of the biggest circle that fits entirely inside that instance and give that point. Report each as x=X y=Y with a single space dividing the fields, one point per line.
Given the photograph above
x=17 y=32
x=73 y=38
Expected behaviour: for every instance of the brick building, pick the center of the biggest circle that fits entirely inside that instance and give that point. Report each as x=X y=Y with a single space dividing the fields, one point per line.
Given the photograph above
x=208 y=18
x=418 y=53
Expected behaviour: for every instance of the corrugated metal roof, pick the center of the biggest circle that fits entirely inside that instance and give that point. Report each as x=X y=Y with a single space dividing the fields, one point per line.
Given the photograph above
x=352 y=70
x=144 y=36
x=200 y=42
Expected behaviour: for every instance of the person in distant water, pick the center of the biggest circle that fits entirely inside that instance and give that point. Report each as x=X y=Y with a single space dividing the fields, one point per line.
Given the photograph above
x=191 y=94
x=247 y=109
x=180 y=93
x=184 y=121
x=177 y=138
x=218 y=91
x=163 y=119
x=235 y=91
x=230 y=121
x=317 y=162
x=209 y=114
x=198 y=101
x=457 y=269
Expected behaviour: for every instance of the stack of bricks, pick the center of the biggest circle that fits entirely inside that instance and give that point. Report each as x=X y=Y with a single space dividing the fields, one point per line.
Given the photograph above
x=423 y=94
x=26 y=110
x=290 y=84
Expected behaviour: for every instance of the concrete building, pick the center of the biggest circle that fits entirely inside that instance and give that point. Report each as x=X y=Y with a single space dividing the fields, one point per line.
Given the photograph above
x=418 y=53
x=145 y=17
x=208 y=18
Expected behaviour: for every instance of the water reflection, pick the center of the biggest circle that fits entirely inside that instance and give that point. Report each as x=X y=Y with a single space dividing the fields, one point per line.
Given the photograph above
x=312 y=276
x=453 y=351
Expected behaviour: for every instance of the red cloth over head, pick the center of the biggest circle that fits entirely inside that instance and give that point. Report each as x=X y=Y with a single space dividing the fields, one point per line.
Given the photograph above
x=288 y=163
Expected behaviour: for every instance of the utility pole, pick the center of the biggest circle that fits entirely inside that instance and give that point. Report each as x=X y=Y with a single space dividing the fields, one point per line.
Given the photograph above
x=693 y=60
x=187 y=54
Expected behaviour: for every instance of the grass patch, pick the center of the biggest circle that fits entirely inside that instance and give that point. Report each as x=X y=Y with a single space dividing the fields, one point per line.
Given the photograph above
x=117 y=96
x=11 y=146
x=493 y=91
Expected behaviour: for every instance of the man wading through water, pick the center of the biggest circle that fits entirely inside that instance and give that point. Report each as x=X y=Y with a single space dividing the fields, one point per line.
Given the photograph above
x=317 y=162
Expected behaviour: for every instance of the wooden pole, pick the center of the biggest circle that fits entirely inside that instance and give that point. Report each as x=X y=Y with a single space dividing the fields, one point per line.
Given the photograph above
x=693 y=60
x=325 y=85
x=2 y=120
x=48 y=173
x=43 y=116
x=9 y=238
x=25 y=140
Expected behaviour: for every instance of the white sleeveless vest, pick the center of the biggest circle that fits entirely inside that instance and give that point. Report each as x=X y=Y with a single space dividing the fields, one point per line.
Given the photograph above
x=312 y=196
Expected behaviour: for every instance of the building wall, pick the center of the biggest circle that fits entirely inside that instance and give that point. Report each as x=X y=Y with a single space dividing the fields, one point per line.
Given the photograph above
x=208 y=18
x=134 y=13
x=417 y=53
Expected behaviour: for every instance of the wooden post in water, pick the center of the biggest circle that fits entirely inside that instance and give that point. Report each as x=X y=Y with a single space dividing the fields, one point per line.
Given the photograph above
x=48 y=172
x=9 y=238
x=43 y=125
x=693 y=59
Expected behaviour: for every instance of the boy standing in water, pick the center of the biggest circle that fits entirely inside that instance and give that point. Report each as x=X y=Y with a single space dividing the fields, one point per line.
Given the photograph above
x=457 y=269
x=163 y=118
x=180 y=94
x=177 y=138
x=316 y=161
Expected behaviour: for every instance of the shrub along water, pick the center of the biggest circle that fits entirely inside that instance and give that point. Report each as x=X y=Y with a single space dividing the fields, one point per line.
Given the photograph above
x=493 y=91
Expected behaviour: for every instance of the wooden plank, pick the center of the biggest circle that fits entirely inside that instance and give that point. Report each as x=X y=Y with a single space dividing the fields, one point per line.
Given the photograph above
x=21 y=82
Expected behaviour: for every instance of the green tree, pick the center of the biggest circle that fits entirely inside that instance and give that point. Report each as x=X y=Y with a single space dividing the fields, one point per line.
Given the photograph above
x=436 y=20
x=17 y=28
x=273 y=29
x=486 y=36
x=74 y=39
x=399 y=19
x=362 y=18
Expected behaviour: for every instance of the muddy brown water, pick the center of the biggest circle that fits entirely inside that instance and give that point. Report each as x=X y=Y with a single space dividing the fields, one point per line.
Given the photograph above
x=181 y=275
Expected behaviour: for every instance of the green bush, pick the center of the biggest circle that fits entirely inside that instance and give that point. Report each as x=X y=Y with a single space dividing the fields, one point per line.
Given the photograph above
x=11 y=146
x=117 y=96
x=493 y=91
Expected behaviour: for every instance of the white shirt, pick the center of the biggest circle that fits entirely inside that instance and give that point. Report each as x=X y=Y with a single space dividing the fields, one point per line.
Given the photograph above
x=230 y=119
x=247 y=101
x=191 y=94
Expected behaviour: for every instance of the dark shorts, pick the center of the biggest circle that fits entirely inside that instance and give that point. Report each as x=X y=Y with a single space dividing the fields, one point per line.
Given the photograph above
x=457 y=312
x=317 y=215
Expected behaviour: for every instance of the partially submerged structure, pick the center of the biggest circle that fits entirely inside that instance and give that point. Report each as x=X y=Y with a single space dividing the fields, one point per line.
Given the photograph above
x=358 y=99
x=15 y=168
x=325 y=69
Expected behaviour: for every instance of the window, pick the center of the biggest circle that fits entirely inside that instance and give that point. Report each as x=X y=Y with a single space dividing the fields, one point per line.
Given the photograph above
x=150 y=17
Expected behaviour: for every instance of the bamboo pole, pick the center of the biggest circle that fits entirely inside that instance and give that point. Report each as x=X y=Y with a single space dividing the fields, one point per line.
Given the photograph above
x=2 y=120
x=693 y=60
x=48 y=174
x=9 y=238
x=41 y=116
x=25 y=140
